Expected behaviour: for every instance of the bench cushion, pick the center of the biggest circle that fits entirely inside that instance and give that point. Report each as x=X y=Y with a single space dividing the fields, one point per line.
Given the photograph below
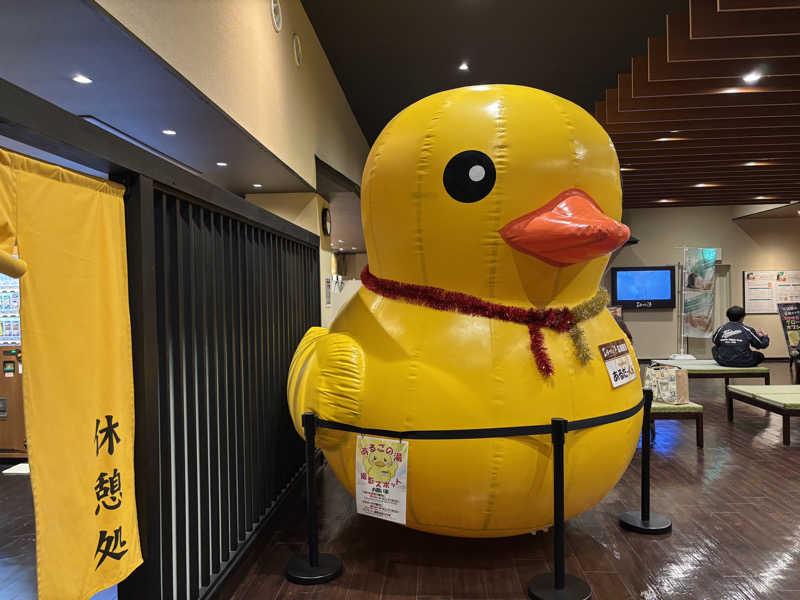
x=751 y=390
x=781 y=396
x=664 y=407
x=791 y=401
x=710 y=367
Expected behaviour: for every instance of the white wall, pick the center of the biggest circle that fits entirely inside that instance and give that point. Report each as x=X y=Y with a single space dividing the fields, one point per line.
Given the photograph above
x=745 y=243
x=230 y=51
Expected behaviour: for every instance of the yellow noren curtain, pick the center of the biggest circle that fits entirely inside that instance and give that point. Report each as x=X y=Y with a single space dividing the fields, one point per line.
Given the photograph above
x=78 y=380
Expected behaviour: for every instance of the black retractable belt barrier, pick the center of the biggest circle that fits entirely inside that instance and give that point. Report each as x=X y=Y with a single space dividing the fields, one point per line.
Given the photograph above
x=558 y=585
x=643 y=521
x=314 y=568
x=321 y=568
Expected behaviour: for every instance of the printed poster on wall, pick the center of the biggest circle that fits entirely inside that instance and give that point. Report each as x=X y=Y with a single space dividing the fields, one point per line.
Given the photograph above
x=698 y=292
x=764 y=289
x=381 y=478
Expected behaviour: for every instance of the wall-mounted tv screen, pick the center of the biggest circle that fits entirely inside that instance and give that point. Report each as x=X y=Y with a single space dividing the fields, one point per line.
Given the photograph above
x=643 y=287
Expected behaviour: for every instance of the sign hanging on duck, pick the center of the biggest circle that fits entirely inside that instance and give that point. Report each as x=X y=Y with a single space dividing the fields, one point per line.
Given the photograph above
x=619 y=363
x=381 y=474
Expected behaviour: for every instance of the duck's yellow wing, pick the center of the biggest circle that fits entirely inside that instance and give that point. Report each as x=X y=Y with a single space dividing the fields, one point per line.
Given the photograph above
x=326 y=377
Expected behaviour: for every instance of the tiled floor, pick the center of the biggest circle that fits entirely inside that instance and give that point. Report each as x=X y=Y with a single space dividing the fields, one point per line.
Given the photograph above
x=734 y=507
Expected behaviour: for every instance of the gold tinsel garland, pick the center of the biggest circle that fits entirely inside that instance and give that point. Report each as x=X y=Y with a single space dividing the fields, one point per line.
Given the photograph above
x=583 y=311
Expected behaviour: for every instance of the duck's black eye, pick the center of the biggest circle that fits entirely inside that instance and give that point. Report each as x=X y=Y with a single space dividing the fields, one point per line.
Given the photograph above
x=469 y=176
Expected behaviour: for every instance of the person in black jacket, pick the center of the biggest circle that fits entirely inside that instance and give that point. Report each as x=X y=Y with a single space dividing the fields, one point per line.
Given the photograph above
x=732 y=341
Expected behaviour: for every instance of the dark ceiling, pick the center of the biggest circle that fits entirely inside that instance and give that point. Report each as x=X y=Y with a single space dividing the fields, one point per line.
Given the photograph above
x=389 y=54
x=133 y=91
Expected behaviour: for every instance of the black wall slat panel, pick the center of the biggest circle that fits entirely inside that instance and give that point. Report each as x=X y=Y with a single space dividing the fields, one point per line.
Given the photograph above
x=232 y=301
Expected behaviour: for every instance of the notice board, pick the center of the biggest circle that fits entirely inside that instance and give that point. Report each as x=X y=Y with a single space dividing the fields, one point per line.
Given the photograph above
x=763 y=290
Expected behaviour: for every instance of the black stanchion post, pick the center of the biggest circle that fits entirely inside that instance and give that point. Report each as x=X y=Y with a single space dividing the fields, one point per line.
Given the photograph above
x=642 y=521
x=559 y=585
x=315 y=568
x=646 y=412
x=310 y=429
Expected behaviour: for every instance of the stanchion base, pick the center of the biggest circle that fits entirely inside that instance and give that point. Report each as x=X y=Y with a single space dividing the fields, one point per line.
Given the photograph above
x=657 y=524
x=300 y=570
x=542 y=587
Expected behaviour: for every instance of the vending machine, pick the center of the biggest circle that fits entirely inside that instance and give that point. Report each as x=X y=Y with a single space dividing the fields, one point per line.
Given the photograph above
x=12 y=418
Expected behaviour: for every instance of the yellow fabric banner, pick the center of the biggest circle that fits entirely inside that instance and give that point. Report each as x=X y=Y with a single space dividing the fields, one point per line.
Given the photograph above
x=78 y=379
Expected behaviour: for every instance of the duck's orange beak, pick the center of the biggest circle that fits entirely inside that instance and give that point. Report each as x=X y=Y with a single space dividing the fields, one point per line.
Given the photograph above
x=569 y=229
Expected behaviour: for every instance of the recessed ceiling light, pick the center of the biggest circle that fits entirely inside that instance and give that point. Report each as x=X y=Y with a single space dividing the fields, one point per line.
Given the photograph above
x=627 y=169
x=705 y=185
x=666 y=200
x=168 y=131
x=675 y=131
x=353 y=248
x=752 y=77
x=670 y=139
x=764 y=198
x=463 y=66
x=256 y=185
x=79 y=78
x=754 y=163
x=222 y=164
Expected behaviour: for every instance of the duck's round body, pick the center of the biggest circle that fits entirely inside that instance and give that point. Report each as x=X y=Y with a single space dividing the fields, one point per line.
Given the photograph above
x=429 y=369
x=509 y=195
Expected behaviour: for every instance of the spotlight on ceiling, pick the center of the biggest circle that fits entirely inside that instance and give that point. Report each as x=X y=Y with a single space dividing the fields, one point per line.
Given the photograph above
x=705 y=185
x=751 y=77
x=256 y=185
x=754 y=163
x=168 y=131
x=670 y=139
x=463 y=66
x=222 y=164
x=765 y=198
x=627 y=169
x=79 y=78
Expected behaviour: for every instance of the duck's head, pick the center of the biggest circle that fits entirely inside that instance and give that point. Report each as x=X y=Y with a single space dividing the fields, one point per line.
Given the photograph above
x=500 y=191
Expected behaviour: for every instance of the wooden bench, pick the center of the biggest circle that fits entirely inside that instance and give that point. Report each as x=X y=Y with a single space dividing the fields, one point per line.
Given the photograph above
x=691 y=410
x=709 y=369
x=781 y=399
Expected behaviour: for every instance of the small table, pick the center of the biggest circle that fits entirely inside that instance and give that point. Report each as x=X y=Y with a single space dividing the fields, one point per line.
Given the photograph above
x=690 y=410
x=709 y=369
x=780 y=399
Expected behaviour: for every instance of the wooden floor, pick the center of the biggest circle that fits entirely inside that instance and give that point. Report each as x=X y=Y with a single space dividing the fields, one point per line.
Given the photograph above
x=735 y=506
x=17 y=537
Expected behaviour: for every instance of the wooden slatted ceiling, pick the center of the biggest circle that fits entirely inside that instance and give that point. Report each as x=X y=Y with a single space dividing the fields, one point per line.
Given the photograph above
x=684 y=116
x=750 y=5
x=708 y=22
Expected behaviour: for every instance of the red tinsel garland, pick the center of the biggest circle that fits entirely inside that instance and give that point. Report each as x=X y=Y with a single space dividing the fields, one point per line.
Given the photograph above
x=560 y=320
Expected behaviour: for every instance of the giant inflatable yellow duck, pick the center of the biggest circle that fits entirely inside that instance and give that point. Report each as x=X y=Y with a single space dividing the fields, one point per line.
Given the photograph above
x=489 y=213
